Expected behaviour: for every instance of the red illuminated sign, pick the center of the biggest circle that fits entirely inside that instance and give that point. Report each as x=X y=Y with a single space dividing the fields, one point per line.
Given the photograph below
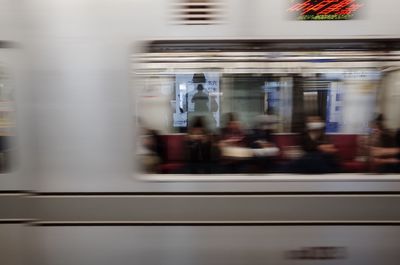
x=324 y=9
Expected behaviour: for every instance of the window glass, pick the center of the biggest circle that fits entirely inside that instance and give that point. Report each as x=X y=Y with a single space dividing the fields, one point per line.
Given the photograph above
x=310 y=118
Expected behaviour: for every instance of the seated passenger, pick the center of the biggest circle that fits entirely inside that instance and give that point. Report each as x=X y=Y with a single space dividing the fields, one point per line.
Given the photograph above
x=199 y=147
x=384 y=149
x=148 y=150
x=262 y=144
x=232 y=134
x=233 y=148
x=319 y=155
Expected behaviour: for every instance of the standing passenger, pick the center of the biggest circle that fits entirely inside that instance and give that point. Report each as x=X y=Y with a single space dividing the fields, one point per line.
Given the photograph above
x=200 y=100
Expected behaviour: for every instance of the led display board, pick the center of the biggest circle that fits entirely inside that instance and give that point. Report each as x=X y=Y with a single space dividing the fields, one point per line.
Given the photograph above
x=324 y=9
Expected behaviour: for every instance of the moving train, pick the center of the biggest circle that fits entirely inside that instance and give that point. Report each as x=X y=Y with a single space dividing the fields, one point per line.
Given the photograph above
x=79 y=77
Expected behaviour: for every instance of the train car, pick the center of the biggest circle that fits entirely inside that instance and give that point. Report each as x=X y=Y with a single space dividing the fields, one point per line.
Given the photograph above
x=80 y=79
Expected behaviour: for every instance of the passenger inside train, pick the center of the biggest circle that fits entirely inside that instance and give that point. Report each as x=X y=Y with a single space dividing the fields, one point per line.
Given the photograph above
x=319 y=154
x=198 y=147
x=260 y=149
x=385 y=148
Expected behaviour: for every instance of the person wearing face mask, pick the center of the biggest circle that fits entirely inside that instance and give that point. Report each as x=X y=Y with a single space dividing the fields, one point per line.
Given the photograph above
x=314 y=139
x=319 y=155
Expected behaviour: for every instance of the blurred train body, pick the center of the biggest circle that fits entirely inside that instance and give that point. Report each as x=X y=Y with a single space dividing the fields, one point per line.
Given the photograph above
x=73 y=194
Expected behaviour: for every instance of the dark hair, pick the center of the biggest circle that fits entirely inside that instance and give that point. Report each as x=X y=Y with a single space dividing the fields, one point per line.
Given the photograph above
x=379 y=121
x=379 y=118
x=200 y=87
x=198 y=122
x=229 y=117
x=199 y=78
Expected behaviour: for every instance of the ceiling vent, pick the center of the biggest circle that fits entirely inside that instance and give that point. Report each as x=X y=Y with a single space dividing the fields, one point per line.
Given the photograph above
x=197 y=12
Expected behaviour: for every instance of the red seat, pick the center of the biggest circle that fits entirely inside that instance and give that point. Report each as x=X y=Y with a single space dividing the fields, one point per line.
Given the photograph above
x=174 y=146
x=174 y=152
x=283 y=141
x=347 y=145
x=354 y=166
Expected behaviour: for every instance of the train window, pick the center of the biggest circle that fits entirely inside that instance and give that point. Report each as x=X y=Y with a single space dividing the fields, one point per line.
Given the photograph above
x=7 y=120
x=207 y=115
x=258 y=94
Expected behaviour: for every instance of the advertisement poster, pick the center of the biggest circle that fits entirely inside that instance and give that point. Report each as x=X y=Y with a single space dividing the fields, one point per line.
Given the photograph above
x=351 y=101
x=334 y=108
x=197 y=94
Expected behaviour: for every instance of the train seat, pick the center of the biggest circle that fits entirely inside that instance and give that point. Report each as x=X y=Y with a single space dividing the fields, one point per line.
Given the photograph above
x=174 y=153
x=346 y=144
x=285 y=141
